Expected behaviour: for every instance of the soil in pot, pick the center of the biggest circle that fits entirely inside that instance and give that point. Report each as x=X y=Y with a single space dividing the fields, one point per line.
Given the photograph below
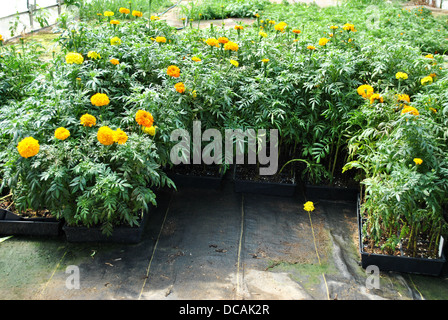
x=252 y=173
x=201 y=170
x=7 y=204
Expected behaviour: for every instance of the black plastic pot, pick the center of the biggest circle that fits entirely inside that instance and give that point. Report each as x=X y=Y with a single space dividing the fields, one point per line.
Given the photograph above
x=196 y=181
x=120 y=234
x=331 y=193
x=263 y=187
x=384 y=262
x=13 y=224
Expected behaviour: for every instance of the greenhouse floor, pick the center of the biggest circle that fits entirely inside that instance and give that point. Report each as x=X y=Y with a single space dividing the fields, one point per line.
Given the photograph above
x=202 y=244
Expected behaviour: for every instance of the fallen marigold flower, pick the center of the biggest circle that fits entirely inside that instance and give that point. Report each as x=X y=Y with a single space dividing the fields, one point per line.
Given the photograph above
x=308 y=206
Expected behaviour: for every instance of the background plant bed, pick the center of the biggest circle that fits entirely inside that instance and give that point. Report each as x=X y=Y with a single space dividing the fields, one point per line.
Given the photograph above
x=13 y=224
x=120 y=234
x=247 y=179
x=398 y=263
x=196 y=176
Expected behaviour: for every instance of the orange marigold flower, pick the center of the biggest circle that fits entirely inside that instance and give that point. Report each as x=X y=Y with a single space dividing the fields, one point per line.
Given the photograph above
x=87 y=120
x=124 y=10
x=144 y=118
x=100 y=99
x=114 y=61
x=28 y=147
x=106 y=136
x=180 y=87
x=223 y=40
x=120 y=136
x=61 y=133
x=376 y=98
x=173 y=71
x=411 y=110
x=231 y=46
x=212 y=42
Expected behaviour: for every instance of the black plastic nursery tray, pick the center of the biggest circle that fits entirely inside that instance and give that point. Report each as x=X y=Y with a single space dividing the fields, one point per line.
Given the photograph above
x=13 y=224
x=263 y=187
x=384 y=262
x=120 y=234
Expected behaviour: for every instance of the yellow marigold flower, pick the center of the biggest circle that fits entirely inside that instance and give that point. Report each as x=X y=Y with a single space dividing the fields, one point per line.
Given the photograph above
x=310 y=47
x=100 y=99
x=365 y=91
x=235 y=63
x=429 y=56
x=231 y=46
x=114 y=61
x=106 y=136
x=150 y=130
x=271 y=21
x=173 y=71
x=265 y=60
x=411 y=110
x=1 y=37
x=333 y=27
x=376 y=98
x=61 y=133
x=401 y=75
x=433 y=109
x=87 y=120
x=73 y=57
x=180 y=87
x=212 y=42
x=263 y=34
x=238 y=27
x=161 y=39
x=124 y=10
x=418 y=161
x=144 y=118
x=403 y=98
x=296 y=31
x=99 y=14
x=323 y=41
x=223 y=40
x=120 y=136
x=93 y=55
x=114 y=22
x=154 y=18
x=196 y=59
x=136 y=13
x=426 y=80
x=108 y=13
x=349 y=27
x=28 y=147
x=115 y=41
x=308 y=206
x=280 y=26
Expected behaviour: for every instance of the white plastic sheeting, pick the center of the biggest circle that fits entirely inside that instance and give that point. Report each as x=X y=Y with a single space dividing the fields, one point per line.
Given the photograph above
x=15 y=17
